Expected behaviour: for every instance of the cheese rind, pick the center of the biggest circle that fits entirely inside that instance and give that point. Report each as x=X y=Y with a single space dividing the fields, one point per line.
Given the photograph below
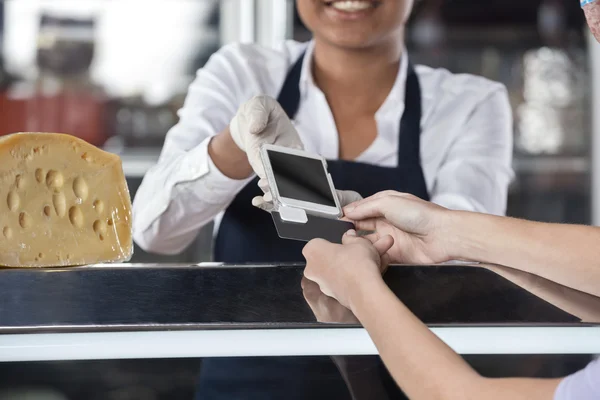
x=62 y=202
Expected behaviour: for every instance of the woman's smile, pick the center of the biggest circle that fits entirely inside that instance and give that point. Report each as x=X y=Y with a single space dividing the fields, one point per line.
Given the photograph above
x=351 y=9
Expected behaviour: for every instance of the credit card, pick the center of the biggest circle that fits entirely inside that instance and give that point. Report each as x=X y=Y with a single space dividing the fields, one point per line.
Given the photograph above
x=331 y=230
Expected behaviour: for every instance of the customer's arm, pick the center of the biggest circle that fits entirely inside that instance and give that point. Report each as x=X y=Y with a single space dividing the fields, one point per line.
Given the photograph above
x=422 y=365
x=566 y=254
x=426 y=233
x=577 y=303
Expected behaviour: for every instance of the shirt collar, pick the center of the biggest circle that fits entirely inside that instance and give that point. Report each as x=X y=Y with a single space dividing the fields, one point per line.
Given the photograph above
x=395 y=98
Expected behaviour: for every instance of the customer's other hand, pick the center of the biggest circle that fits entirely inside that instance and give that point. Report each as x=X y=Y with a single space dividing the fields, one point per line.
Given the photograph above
x=417 y=226
x=340 y=269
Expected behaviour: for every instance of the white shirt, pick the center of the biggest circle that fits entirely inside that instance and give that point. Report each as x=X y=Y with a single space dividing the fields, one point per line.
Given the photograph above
x=466 y=140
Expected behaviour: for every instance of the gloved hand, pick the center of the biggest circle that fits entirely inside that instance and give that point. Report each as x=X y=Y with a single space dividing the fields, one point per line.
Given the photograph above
x=265 y=202
x=262 y=120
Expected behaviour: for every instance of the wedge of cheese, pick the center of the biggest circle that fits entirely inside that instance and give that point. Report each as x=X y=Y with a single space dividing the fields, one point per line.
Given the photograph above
x=62 y=202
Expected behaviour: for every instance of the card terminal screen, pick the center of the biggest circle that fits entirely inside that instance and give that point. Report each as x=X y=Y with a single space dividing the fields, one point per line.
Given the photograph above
x=301 y=178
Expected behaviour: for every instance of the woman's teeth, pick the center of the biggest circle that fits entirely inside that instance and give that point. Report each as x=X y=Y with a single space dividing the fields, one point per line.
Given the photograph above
x=351 y=6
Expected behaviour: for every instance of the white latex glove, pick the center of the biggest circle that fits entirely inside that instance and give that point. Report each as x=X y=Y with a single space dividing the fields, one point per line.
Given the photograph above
x=265 y=202
x=262 y=120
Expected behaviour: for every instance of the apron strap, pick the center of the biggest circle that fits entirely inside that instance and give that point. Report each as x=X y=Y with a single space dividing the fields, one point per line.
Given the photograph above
x=289 y=96
x=409 y=143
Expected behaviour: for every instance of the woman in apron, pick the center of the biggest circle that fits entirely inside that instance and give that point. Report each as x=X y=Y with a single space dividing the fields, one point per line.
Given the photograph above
x=355 y=98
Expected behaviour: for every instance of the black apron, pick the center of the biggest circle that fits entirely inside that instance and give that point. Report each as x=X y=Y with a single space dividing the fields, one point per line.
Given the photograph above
x=247 y=235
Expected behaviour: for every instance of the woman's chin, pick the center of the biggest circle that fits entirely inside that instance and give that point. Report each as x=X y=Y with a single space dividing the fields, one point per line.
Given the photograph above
x=348 y=39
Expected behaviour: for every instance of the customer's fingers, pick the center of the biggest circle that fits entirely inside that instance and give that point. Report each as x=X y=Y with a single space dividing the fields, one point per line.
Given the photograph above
x=383 y=244
x=385 y=193
x=370 y=208
x=369 y=224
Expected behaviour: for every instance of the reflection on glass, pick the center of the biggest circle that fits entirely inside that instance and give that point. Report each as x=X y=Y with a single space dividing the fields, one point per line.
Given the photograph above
x=365 y=376
x=325 y=308
x=583 y=306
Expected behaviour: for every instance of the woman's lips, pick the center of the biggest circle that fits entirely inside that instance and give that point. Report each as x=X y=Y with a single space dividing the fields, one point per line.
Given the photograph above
x=351 y=9
x=351 y=6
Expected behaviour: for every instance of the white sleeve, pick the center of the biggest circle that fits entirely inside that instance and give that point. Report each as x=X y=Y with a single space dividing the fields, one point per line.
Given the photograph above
x=184 y=190
x=582 y=385
x=477 y=170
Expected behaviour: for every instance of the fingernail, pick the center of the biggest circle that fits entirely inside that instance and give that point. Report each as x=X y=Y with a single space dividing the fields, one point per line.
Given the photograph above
x=348 y=209
x=351 y=232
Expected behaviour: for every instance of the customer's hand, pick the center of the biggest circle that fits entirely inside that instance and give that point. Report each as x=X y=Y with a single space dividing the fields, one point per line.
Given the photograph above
x=261 y=120
x=417 y=226
x=339 y=269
